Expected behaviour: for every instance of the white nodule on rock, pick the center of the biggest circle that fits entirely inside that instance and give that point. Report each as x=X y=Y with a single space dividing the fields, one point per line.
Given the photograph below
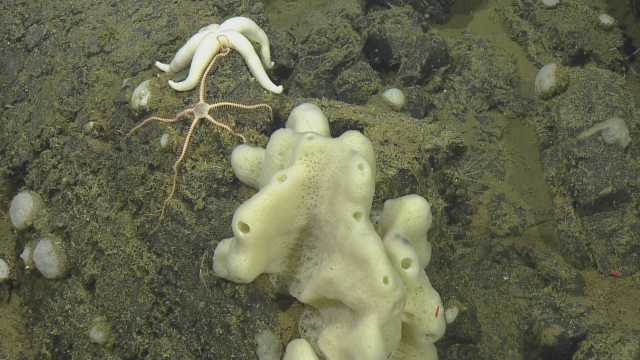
x=394 y=98
x=269 y=347
x=366 y=293
x=614 y=130
x=550 y=4
x=606 y=21
x=141 y=96
x=451 y=314
x=551 y=79
x=88 y=127
x=24 y=209
x=164 y=139
x=100 y=330
x=299 y=349
x=50 y=257
x=4 y=270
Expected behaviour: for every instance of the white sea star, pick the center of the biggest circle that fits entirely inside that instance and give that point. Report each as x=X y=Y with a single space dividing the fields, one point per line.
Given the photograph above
x=234 y=33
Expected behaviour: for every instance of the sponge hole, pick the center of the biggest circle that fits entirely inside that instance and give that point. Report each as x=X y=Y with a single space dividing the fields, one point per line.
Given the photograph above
x=406 y=263
x=310 y=137
x=357 y=215
x=282 y=177
x=243 y=227
x=408 y=317
x=385 y=280
x=361 y=166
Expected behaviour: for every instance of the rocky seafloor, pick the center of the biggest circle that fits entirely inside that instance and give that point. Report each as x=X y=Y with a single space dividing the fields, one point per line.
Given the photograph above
x=530 y=219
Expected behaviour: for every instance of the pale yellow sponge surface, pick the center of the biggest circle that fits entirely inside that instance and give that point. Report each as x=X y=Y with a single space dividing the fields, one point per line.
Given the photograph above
x=308 y=227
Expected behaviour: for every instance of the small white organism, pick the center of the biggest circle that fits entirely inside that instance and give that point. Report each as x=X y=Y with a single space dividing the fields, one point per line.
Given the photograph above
x=4 y=270
x=394 y=98
x=141 y=96
x=606 y=21
x=550 y=4
x=613 y=130
x=551 y=80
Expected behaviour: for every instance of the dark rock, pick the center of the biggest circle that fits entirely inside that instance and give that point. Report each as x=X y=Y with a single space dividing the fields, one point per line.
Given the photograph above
x=558 y=331
x=398 y=44
x=458 y=351
x=11 y=63
x=576 y=45
x=357 y=83
x=599 y=346
x=284 y=54
x=466 y=328
x=310 y=82
x=593 y=182
x=479 y=91
x=418 y=104
x=547 y=34
x=614 y=241
x=385 y=46
x=429 y=54
x=509 y=218
x=602 y=182
x=435 y=10
x=556 y=274
x=325 y=49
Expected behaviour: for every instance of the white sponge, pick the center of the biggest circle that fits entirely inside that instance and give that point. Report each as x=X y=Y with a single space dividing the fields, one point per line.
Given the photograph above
x=50 y=257
x=308 y=228
x=24 y=209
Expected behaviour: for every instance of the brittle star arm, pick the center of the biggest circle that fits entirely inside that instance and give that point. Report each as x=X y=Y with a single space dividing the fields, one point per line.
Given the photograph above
x=166 y=121
x=224 y=52
x=233 y=105
x=175 y=169
x=225 y=127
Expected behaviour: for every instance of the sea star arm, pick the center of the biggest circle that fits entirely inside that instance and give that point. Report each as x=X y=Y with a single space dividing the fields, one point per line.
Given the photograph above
x=208 y=47
x=253 y=32
x=183 y=57
x=237 y=41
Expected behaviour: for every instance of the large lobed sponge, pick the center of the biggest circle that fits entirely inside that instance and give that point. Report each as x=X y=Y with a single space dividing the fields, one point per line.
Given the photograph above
x=367 y=294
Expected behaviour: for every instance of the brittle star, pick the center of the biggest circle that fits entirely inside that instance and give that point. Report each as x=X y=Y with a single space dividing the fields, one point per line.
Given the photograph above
x=199 y=112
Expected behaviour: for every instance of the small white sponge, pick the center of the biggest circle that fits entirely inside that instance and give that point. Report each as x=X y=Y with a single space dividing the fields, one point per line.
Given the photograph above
x=50 y=257
x=100 y=331
x=308 y=227
x=25 y=208
x=394 y=98
x=614 y=130
x=269 y=347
